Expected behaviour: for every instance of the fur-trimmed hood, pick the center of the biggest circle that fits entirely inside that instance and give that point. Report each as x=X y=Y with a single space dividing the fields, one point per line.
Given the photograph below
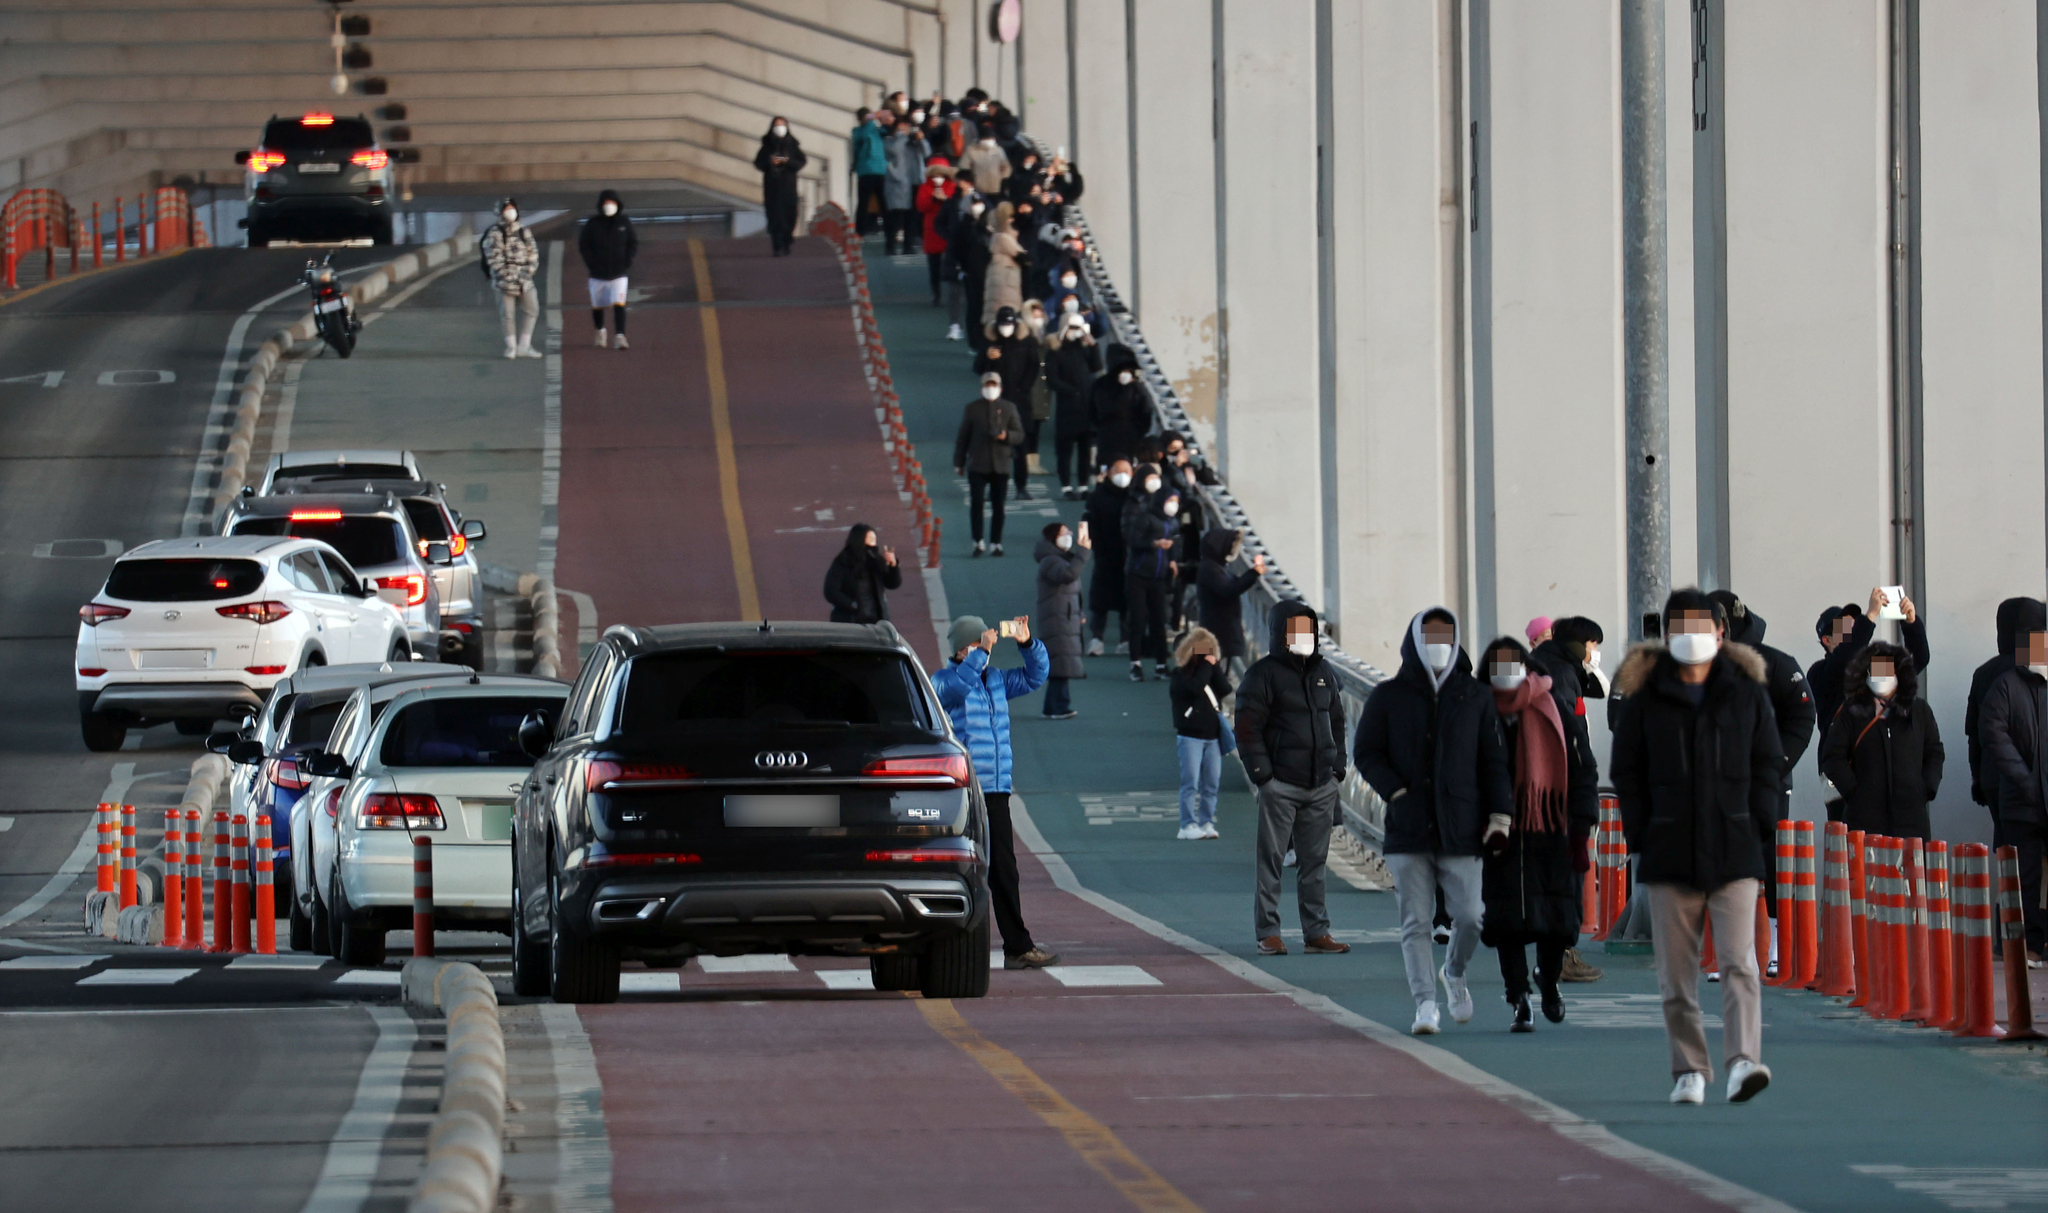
x=1643 y=657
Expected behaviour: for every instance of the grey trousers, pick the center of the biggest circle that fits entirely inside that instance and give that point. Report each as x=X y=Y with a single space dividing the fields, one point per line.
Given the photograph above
x=1301 y=818
x=1416 y=877
x=1679 y=916
x=518 y=313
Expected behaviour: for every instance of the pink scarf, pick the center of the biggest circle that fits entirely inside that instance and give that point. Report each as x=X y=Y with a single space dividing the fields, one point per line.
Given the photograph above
x=1540 y=775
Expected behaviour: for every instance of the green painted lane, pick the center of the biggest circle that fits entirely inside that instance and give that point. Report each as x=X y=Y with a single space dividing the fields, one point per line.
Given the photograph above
x=1862 y=1115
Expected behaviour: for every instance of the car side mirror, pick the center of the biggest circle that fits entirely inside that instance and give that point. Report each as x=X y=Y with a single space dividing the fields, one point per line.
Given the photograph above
x=438 y=553
x=218 y=743
x=473 y=529
x=242 y=157
x=239 y=749
x=536 y=734
x=324 y=765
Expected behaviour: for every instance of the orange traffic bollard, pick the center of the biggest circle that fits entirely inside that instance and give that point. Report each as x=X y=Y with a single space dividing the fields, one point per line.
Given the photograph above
x=1970 y=873
x=1880 y=928
x=1859 y=920
x=195 y=882
x=95 y=235
x=127 y=855
x=266 y=892
x=1898 y=960
x=1940 y=946
x=1612 y=855
x=1838 y=964
x=238 y=869
x=1919 y=983
x=120 y=234
x=1804 y=910
x=422 y=896
x=107 y=873
x=1788 y=946
x=223 y=886
x=2019 y=1002
x=174 y=879
x=1589 y=895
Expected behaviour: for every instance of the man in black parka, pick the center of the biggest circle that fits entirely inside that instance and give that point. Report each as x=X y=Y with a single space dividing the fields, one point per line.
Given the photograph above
x=2013 y=722
x=1430 y=743
x=2016 y=618
x=607 y=244
x=1790 y=701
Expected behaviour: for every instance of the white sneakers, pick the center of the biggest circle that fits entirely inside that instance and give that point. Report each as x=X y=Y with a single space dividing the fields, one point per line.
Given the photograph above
x=1190 y=833
x=1426 y=1022
x=1461 y=995
x=511 y=348
x=1209 y=831
x=1691 y=1088
x=619 y=342
x=956 y=333
x=1745 y=1079
x=601 y=341
x=527 y=351
x=1095 y=647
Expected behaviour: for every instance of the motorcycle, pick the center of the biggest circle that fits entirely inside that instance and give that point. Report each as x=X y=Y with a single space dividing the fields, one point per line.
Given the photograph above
x=334 y=313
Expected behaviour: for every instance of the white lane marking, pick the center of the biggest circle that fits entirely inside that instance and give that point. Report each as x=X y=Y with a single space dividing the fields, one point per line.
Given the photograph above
x=352 y=1152
x=583 y=1153
x=551 y=418
x=284 y=960
x=368 y=977
x=2013 y=1188
x=265 y=1010
x=1260 y=1095
x=414 y=288
x=119 y=779
x=1591 y=1134
x=1114 y=808
x=6 y=823
x=847 y=979
x=650 y=983
x=137 y=977
x=746 y=964
x=199 y=504
x=1101 y=975
x=51 y=962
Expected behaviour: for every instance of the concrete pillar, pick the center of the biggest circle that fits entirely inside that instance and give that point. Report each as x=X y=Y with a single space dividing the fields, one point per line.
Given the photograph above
x=1555 y=412
x=1103 y=151
x=1678 y=118
x=1270 y=426
x=1980 y=169
x=1174 y=166
x=1042 y=100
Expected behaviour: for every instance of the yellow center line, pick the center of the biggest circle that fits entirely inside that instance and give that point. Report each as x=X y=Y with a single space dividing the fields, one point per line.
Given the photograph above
x=1089 y=1137
x=721 y=433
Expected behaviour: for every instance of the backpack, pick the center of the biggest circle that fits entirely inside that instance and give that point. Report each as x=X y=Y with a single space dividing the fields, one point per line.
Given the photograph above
x=483 y=259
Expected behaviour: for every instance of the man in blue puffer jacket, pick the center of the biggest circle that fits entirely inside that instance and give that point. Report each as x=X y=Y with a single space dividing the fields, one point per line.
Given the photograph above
x=978 y=699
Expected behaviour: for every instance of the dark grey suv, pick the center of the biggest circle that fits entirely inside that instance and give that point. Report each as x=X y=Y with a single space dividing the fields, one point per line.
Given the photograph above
x=724 y=789
x=318 y=178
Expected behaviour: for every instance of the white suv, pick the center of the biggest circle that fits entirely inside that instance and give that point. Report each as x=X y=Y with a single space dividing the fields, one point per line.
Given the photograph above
x=199 y=630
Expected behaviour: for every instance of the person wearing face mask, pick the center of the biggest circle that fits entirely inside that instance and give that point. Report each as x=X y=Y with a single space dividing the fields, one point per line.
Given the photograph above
x=607 y=244
x=1883 y=753
x=1698 y=768
x=1531 y=882
x=990 y=433
x=512 y=256
x=968 y=253
x=1843 y=632
x=1219 y=593
x=1119 y=408
x=1063 y=559
x=1104 y=517
x=1066 y=284
x=1290 y=729
x=907 y=152
x=780 y=159
x=1011 y=353
x=1004 y=284
x=1570 y=658
x=1071 y=364
x=934 y=199
x=1430 y=743
x=986 y=164
x=859 y=578
x=2013 y=722
x=1199 y=688
x=1151 y=526
x=870 y=171
x=2016 y=618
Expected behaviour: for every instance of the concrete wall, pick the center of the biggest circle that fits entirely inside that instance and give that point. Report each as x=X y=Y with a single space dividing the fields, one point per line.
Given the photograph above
x=1102 y=148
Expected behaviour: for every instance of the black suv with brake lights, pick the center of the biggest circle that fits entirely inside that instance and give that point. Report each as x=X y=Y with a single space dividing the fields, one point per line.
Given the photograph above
x=787 y=788
x=318 y=178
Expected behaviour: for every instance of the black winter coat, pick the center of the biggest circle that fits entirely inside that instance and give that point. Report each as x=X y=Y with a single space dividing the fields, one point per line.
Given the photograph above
x=2015 y=617
x=1437 y=756
x=1060 y=622
x=1070 y=370
x=1532 y=888
x=1219 y=593
x=1144 y=525
x=1886 y=768
x=1824 y=677
x=2013 y=722
x=1789 y=699
x=1017 y=364
x=1195 y=712
x=1699 y=786
x=778 y=181
x=976 y=447
x=969 y=250
x=1119 y=413
x=1582 y=798
x=1290 y=712
x=607 y=242
x=1104 y=514
x=856 y=581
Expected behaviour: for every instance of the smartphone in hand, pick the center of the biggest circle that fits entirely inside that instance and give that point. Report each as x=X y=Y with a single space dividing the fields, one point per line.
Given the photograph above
x=1006 y=628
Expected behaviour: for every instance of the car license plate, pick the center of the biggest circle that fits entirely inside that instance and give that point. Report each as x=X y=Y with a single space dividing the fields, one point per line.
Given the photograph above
x=756 y=812
x=173 y=659
x=332 y=305
x=319 y=168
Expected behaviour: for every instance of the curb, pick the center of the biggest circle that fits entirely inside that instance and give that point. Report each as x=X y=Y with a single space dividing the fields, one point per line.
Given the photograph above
x=465 y=1151
x=234 y=472
x=547 y=624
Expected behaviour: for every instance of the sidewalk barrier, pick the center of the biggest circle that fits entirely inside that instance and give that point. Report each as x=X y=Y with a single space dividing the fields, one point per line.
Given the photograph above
x=1611 y=857
x=1920 y=983
x=127 y=855
x=1860 y=932
x=422 y=897
x=43 y=219
x=266 y=892
x=1940 y=947
x=465 y=1146
x=238 y=868
x=223 y=885
x=1783 y=873
x=1589 y=893
x=195 y=882
x=108 y=874
x=1879 y=898
x=174 y=879
x=2019 y=1001
x=1896 y=985
x=1838 y=913
x=1971 y=870
x=1804 y=909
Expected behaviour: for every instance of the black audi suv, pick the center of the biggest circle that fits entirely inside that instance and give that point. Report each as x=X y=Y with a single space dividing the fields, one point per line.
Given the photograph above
x=729 y=788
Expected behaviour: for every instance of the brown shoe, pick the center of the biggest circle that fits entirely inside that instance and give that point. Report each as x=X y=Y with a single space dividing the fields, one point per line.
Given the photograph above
x=1036 y=958
x=1272 y=945
x=1324 y=943
x=1575 y=968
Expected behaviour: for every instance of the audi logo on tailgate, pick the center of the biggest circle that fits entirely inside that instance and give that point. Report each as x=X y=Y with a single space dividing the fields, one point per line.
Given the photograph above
x=782 y=760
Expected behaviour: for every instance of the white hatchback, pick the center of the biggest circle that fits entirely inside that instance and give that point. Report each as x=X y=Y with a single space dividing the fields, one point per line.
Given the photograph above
x=200 y=630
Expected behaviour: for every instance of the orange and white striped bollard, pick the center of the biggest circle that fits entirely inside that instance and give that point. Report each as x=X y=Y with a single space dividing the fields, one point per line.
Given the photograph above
x=1970 y=874
x=2019 y=1001
x=174 y=879
x=1837 y=975
x=107 y=875
x=127 y=855
x=1919 y=982
x=422 y=896
x=1940 y=944
x=266 y=892
x=1782 y=869
x=223 y=886
x=238 y=868
x=195 y=882
x=1859 y=919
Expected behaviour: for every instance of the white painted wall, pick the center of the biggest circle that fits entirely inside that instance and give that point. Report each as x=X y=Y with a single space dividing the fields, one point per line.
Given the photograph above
x=1042 y=99
x=1103 y=151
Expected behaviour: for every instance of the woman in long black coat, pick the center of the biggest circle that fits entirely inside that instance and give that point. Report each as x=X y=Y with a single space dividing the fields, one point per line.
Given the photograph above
x=1883 y=752
x=860 y=576
x=1061 y=623
x=1071 y=365
x=780 y=159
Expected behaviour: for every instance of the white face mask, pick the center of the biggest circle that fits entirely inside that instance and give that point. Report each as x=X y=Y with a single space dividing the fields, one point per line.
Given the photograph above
x=992 y=392
x=1882 y=685
x=1302 y=644
x=1070 y=282
x=610 y=208
x=1172 y=507
x=1438 y=656
x=2041 y=669
x=1151 y=484
x=1592 y=658
x=1695 y=648
x=988 y=140
x=1072 y=303
x=976 y=209
x=1508 y=676
x=1064 y=542
x=780 y=130
x=509 y=215
x=917 y=116
x=1121 y=480
x=1123 y=376
x=1004 y=330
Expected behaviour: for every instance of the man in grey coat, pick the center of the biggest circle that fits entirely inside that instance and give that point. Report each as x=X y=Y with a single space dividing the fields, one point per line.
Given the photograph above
x=906 y=151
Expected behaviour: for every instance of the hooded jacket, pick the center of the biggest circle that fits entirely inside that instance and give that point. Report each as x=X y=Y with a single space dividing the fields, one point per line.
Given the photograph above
x=1582 y=801
x=607 y=242
x=2013 y=722
x=907 y=152
x=1145 y=523
x=1060 y=621
x=1887 y=767
x=977 y=698
x=1017 y=363
x=1699 y=786
x=1070 y=370
x=933 y=198
x=780 y=179
x=2016 y=618
x=1290 y=712
x=1789 y=697
x=1432 y=747
x=865 y=146
x=1219 y=593
x=1824 y=677
x=1532 y=886
x=1104 y=514
x=1119 y=413
x=1198 y=689
x=857 y=578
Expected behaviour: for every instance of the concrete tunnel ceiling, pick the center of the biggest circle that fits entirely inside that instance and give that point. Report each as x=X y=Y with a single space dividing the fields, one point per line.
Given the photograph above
x=108 y=98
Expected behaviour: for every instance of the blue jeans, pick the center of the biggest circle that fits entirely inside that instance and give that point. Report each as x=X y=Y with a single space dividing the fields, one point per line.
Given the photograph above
x=1201 y=770
x=1058 y=701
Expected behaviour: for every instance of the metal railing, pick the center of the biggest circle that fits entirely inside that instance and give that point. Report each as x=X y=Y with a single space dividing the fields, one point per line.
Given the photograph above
x=1364 y=812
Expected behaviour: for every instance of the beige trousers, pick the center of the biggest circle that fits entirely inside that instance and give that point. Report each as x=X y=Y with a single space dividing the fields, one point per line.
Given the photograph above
x=1678 y=916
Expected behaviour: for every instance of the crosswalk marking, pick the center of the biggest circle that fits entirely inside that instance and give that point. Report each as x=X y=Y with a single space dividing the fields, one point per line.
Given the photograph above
x=1101 y=975
x=650 y=983
x=288 y=960
x=847 y=979
x=746 y=964
x=368 y=977
x=50 y=962
x=2006 y=1188
x=138 y=977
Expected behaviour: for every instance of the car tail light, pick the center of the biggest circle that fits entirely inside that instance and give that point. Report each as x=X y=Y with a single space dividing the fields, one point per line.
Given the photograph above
x=316 y=515
x=414 y=585
x=951 y=767
x=333 y=802
x=457 y=545
x=400 y=811
x=373 y=190
x=316 y=118
x=952 y=850
x=284 y=773
x=93 y=614
x=371 y=157
x=262 y=160
x=89 y=672
x=263 y=671
x=267 y=611
x=605 y=772
x=641 y=859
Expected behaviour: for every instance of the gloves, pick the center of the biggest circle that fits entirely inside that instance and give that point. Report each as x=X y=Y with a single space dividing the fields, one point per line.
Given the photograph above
x=1582 y=854
x=1495 y=839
